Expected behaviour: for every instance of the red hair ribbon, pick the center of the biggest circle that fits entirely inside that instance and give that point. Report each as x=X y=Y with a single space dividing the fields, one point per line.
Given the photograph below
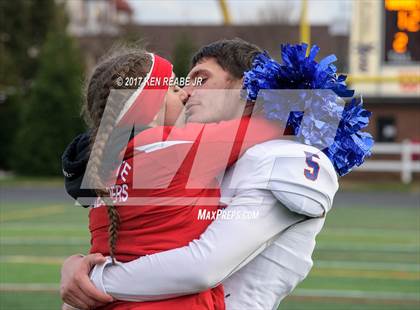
x=142 y=107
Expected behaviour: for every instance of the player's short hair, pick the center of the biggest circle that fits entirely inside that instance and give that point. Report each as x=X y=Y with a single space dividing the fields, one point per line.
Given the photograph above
x=233 y=55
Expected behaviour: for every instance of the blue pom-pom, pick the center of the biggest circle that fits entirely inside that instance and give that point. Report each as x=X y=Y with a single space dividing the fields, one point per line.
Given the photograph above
x=301 y=72
x=264 y=75
x=307 y=114
x=351 y=146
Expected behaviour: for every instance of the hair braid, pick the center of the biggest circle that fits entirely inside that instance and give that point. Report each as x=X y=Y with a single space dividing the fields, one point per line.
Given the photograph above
x=134 y=63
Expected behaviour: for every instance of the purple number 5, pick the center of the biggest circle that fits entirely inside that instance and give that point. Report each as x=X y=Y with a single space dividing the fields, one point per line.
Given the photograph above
x=312 y=171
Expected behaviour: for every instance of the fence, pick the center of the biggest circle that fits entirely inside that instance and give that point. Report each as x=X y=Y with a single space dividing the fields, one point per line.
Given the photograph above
x=407 y=164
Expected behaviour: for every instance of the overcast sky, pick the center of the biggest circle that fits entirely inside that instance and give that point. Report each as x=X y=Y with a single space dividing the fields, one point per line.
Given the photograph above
x=241 y=11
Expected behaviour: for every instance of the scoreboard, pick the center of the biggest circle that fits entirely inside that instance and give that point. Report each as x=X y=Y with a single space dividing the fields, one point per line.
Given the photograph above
x=385 y=48
x=401 y=32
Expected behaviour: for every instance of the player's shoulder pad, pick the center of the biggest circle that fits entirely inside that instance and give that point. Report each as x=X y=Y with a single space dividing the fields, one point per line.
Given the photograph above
x=287 y=167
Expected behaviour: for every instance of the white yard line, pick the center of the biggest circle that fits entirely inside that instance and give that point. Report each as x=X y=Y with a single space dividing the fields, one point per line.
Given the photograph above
x=52 y=287
x=29 y=287
x=323 y=247
x=31 y=213
x=385 y=266
x=32 y=259
x=44 y=241
x=43 y=226
x=356 y=294
x=368 y=231
x=368 y=247
x=322 y=264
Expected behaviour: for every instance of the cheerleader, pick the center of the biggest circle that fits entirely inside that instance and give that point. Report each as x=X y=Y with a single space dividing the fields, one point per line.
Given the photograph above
x=167 y=175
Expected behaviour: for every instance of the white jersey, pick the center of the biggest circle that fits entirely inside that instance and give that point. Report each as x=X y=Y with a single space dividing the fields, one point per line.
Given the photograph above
x=290 y=186
x=291 y=171
x=303 y=179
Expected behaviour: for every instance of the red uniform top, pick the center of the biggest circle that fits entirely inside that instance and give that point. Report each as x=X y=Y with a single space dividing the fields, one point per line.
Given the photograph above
x=168 y=176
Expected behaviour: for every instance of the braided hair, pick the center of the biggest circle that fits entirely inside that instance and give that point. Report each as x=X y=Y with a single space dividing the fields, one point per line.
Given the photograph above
x=121 y=64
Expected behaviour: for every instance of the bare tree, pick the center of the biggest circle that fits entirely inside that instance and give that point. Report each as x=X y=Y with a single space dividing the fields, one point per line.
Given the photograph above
x=278 y=12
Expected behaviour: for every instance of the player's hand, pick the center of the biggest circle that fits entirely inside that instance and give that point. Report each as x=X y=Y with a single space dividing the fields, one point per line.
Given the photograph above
x=67 y=307
x=76 y=289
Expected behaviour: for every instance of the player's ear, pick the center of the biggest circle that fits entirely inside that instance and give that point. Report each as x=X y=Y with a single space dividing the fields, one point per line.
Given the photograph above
x=234 y=82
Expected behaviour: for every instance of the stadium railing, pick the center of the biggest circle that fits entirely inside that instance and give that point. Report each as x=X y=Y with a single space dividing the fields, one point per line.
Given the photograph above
x=408 y=163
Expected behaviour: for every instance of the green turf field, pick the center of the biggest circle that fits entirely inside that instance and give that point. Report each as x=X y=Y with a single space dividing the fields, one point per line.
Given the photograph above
x=366 y=257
